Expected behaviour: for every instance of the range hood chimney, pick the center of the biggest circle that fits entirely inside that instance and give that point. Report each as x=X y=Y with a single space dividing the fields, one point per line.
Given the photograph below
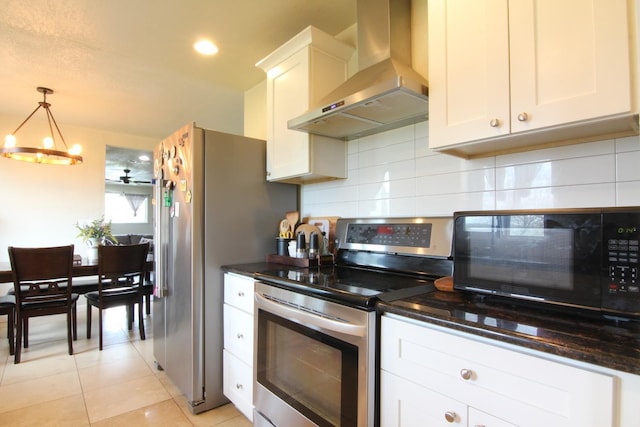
x=386 y=93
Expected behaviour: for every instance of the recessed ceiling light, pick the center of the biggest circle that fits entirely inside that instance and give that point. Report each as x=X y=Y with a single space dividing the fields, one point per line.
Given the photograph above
x=205 y=47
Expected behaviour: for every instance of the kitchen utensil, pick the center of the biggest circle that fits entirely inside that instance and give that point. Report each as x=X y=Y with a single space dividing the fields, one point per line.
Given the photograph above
x=313 y=245
x=282 y=245
x=293 y=217
x=307 y=229
x=285 y=230
x=444 y=284
x=301 y=245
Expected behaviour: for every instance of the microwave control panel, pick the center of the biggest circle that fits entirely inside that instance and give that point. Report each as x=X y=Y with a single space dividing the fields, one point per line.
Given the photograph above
x=621 y=253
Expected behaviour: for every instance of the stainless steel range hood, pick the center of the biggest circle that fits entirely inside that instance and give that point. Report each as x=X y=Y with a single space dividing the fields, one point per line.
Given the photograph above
x=387 y=93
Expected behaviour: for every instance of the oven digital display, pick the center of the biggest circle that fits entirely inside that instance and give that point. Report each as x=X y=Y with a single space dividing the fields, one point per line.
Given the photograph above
x=407 y=235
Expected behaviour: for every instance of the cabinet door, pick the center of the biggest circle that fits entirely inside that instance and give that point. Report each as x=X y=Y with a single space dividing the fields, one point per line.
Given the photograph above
x=480 y=419
x=569 y=61
x=237 y=383
x=238 y=333
x=288 y=96
x=405 y=404
x=238 y=292
x=468 y=70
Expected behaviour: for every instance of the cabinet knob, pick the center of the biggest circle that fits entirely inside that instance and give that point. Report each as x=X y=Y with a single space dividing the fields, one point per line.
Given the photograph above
x=494 y=123
x=466 y=374
x=450 y=416
x=240 y=336
x=239 y=386
x=523 y=117
x=240 y=293
x=479 y=425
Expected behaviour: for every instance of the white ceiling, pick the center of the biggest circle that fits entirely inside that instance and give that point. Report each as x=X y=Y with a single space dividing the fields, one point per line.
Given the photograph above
x=128 y=65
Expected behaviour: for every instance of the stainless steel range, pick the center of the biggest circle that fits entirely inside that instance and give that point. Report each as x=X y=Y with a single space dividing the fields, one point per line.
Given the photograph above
x=315 y=342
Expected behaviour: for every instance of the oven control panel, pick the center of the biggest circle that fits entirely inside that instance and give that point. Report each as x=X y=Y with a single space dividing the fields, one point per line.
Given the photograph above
x=422 y=236
x=411 y=235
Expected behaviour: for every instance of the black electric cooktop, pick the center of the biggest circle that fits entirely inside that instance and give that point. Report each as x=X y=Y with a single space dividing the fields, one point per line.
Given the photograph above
x=349 y=285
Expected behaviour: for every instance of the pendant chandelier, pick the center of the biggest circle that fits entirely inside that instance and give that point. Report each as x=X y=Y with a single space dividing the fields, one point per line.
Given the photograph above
x=48 y=153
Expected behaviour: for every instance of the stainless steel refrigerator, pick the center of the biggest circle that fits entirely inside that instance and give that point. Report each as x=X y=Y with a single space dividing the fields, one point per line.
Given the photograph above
x=213 y=206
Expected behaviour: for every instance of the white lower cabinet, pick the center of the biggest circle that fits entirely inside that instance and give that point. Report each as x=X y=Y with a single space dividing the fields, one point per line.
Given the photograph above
x=431 y=377
x=237 y=380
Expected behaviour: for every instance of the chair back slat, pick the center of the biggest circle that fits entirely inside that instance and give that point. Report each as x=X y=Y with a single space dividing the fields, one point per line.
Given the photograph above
x=41 y=274
x=122 y=265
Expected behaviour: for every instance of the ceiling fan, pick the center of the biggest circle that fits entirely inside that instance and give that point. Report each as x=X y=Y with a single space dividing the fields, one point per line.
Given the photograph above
x=128 y=179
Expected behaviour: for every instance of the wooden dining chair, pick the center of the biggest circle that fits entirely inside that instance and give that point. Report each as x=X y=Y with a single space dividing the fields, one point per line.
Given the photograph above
x=121 y=274
x=8 y=307
x=42 y=280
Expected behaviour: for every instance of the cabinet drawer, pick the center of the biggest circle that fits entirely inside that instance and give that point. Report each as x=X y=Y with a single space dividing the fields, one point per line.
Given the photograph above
x=237 y=383
x=522 y=389
x=405 y=404
x=238 y=291
x=238 y=333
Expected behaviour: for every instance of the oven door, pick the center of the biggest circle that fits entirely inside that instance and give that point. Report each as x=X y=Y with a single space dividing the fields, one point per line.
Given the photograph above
x=314 y=361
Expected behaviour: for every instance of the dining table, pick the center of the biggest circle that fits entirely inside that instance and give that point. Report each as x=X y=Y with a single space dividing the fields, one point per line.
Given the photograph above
x=83 y=269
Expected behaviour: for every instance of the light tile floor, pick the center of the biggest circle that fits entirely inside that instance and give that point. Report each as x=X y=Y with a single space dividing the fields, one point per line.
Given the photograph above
x=118 y=386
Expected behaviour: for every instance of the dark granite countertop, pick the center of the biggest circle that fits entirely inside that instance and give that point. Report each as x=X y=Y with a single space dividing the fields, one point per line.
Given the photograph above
x=599 y=341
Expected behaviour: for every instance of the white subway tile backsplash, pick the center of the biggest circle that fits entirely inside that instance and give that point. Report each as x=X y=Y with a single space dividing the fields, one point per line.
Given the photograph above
x=395 y=174
x=557 y=197
x=386 y=154
x=447 y=204
x=442 y=163
x=582 y=170
x=628 y=166
x=557 y=153
x=630 y=143
x=456 y=182
x=387 y=207
x=628 y=193
x=388 y=172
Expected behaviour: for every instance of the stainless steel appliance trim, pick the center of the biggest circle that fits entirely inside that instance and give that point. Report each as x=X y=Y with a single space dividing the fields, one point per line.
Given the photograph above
x=272 y=407
x=314 y=320
x=441 y=238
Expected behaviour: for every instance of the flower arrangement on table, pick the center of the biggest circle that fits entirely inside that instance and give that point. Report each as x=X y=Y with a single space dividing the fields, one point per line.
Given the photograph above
x=95 y=231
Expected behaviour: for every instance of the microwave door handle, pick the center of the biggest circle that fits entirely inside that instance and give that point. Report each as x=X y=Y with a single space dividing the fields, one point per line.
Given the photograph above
x=310 y=319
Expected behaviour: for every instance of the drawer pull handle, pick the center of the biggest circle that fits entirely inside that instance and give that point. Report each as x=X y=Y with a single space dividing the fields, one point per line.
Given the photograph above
x=494 y=123
x=466 y=374
x=239 y=386
x=240 y=294
x=239 y=336
x=450 y=416
x=480 y=425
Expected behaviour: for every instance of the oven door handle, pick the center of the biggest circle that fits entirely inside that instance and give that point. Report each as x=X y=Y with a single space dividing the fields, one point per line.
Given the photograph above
x=310 y=319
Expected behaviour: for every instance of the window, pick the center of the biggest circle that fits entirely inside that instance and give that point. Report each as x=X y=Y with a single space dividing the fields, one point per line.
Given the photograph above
x=126 y=208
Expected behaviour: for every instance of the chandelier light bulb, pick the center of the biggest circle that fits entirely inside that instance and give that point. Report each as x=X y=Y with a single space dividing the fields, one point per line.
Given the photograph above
x=76 y=149
x=9 y=141
x=47 y=142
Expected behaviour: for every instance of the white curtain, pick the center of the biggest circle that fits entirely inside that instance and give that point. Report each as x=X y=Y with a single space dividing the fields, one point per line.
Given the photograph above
x=135 y=200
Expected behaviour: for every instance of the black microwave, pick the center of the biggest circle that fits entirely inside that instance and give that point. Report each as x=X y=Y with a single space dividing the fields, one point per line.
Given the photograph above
x=582 y=258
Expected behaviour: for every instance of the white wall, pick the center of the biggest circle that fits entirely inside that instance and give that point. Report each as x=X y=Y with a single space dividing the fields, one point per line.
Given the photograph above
x=42 y=203
x=395 y=174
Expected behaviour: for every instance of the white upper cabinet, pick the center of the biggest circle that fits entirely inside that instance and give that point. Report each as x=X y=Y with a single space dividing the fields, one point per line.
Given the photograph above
x=509 y=76
x=299 y=74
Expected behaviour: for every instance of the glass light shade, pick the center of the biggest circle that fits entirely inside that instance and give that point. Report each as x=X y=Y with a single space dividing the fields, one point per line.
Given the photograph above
x=9 y=141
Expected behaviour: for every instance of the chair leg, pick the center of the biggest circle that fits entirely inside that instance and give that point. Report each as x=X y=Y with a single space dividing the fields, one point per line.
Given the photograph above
x=69 y=330
x=19 y=332
x=148 y=303
x=10 y=332
x=141 y=321
x=74 y=322
x=26 y=332
x=100 y=325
